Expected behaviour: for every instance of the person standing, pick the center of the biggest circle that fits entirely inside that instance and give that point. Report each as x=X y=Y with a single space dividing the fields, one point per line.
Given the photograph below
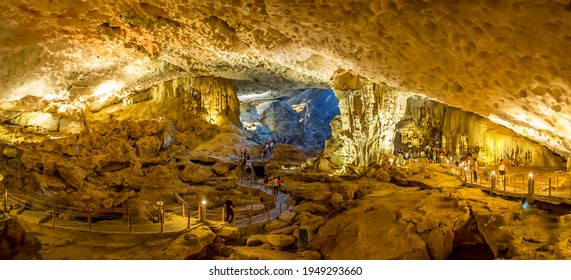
x=229 y=208
x=475 y=169
x=502 y=170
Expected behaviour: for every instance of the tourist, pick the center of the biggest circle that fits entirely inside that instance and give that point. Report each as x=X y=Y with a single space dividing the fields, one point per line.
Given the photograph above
x=267 y=182
x=280 y=182
x=275 y=185
x=475 y=169
x=502 y=170
x=229 y=205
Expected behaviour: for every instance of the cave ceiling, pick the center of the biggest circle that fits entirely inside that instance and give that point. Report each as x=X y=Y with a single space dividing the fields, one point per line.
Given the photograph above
x=505 y=60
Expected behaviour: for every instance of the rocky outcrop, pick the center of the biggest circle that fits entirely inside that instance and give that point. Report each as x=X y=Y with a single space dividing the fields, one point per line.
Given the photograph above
x=429 y=123
x=196 y=173
x=15 y=243
x=365 y=128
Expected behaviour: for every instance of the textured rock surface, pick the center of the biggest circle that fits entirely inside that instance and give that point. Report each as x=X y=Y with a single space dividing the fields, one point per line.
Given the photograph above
x=476 y=56
x=366 y=126
x=15 y=243
x=429 y=123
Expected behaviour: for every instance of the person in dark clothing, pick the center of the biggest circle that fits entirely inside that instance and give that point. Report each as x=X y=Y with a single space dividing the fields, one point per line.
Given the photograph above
x=229 y=205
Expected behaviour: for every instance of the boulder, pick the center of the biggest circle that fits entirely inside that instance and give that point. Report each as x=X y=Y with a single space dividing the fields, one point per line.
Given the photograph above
x=275 y=224
x=49 y=167
x=256 y=240
x=220 y=169
x=308 y=255
x=71 y=150
x=10 y=153
x=196 y=173
x=107 y=203
x=310 y=207
x=229 y=233
x=287 y=216
x=336 y=200
x=123 y=197
x=324 y=165
x=280 y=240
x=286 y=230
x=191 y=245
x=288 y=152
x=148 y=146
x=439 y=243
x=71 y=174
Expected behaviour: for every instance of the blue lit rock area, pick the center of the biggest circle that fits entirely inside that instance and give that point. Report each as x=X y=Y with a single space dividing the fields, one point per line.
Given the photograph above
x=276 y=130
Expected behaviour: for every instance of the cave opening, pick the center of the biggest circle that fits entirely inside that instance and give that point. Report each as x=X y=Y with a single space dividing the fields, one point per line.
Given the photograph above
x=296 y=117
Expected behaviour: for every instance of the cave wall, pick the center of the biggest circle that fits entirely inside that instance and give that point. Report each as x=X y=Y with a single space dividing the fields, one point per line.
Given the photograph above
x=430 y=123
x=204 y=97
x=366 y=126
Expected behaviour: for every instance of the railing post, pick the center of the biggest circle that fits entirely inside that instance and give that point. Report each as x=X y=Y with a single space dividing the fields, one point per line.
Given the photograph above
x=129 y=222
x=183 y=210
x=549 y=186
x=223 y=218
x=162 y=218
x=515 y=183
x=251 y=214
x=89 y=217
x=5 y=201
x=199 y=211
x=530 y=184
x=188 y=219
x=280 y=207
x=504 y=178
x=493 y=182
x=54 y=216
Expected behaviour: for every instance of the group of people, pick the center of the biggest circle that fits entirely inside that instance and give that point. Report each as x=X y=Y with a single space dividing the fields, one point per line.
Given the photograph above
x=246 y=164
x=276 y=184
x=268 y=149
x=432 y=154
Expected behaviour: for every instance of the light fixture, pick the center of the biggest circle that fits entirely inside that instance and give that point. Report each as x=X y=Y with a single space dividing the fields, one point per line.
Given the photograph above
x=530 y=175
x=493 y=173
x=204 y=202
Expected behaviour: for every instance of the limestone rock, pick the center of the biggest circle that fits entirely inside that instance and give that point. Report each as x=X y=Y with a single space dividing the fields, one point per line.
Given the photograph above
x=336 y=200
x=286 y=230
x=71 y=174
x=310 y=207
x=190 y=245
x=15 y=242
x=10 y=153
x=280 y=240
x=71 y=150
x=107 y=203
x=288 y=152
x=256 y=240
x=287 y=216
x=439 y=243
x=148 y=147
x=196 y=173
x=259 y=253
x=229 y=233
x=123 y=197
x=220 y=169
x=275 y=224
x=308 y=255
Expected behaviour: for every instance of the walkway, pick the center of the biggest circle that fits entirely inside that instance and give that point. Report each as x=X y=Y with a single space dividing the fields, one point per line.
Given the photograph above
x=122 y=221
x=547 y=183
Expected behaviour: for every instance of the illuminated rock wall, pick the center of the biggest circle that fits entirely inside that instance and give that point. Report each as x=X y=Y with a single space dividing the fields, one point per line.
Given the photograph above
x=429 y=123
x=203 y=97
x=366 y=126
